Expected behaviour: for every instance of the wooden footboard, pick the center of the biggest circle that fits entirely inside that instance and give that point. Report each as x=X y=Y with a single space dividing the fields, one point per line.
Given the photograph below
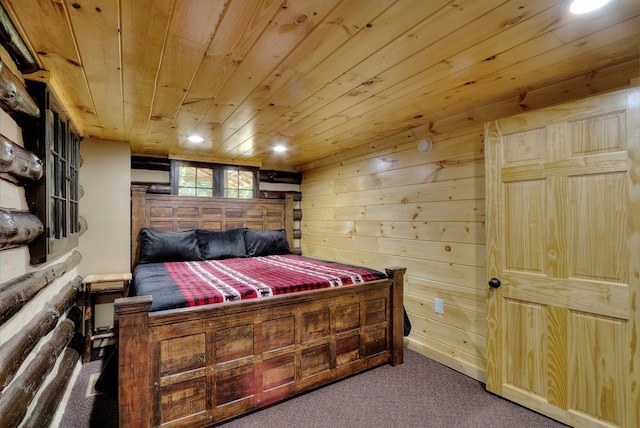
x=199 y=366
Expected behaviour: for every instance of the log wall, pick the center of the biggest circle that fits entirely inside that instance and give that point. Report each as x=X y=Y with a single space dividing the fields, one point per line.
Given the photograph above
x=38 y=316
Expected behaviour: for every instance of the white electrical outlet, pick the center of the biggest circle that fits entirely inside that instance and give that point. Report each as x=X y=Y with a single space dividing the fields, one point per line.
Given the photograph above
x=439 y=305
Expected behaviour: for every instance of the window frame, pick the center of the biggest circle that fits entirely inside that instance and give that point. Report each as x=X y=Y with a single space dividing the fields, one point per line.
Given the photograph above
x=218 y=171
x=54 y=199
x=175 y=174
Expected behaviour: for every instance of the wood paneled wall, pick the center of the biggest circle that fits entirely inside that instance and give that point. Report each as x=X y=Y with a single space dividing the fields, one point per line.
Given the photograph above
x=423 y=211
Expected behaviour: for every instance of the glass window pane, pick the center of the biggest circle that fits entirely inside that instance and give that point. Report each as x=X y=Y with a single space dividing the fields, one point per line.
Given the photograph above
x=230 y=193
x=187 y=191
x=73 y=190
x=205 y=177
x=238 y=183
x=73 y=219
x=231 y=179
x=52 y=117
x=63 y=178
x=62 y=219
x=62 y=139
x=59 y=178
x=52 y=170
x=204 y=192
x=187 y=176
x=245 y=180
x=52 y=220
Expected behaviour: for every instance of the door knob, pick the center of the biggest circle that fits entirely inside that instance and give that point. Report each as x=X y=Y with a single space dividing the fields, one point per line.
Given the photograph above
x=494 y=283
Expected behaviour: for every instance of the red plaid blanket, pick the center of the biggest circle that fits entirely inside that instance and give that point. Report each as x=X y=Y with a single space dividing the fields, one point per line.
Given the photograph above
x=180 y=284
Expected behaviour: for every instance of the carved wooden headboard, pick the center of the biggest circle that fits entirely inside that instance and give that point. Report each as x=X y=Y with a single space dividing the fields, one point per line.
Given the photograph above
x=172 y=213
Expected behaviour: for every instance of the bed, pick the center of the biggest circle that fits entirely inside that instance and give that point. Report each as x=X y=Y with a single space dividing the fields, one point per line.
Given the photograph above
x=189 y=360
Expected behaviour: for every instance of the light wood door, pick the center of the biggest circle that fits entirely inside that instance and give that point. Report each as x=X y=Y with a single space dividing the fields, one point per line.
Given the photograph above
x=563 y=239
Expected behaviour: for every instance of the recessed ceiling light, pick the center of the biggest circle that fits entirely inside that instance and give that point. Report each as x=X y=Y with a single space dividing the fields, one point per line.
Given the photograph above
x=280 y=148
x=195 y=138
x=585 y=6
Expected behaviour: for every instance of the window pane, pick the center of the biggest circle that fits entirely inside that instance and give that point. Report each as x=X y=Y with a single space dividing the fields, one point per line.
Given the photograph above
x=245 y=180
x=59 y=183
x=52 y=170
x=205 y=178
x=238 y=183
x=245 y=194
x=52 y=117
x=62 y=138
x=187 y=176
x=195 y=181
x=230 y=193
x=231 y=179
x=74 y=165
x=204 y=192
x=62 y=218
x=52 y=219
x=73 y=190
x=73 y=219
x=187 y=191
x=63 y=178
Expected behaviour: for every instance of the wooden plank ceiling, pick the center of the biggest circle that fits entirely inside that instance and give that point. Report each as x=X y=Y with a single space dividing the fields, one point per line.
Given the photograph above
x=320 y=76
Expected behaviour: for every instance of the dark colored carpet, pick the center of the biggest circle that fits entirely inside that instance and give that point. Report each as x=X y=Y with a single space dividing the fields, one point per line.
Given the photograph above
x=86 y=407
x=418 y=393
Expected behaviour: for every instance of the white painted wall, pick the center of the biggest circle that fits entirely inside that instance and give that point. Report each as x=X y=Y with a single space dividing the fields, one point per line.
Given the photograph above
x=106 y=206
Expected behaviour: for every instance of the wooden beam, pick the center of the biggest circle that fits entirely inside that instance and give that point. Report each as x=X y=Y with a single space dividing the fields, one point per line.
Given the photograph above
x=18 y=165
x=14 y=98
x=15 y=350
x=148 y=162
x=13 y=43
x=18 y=396
x=15 y=293
x=51 y=396
x=163 y=189
x=18 y=228
x=270 y=176
x=279 y=194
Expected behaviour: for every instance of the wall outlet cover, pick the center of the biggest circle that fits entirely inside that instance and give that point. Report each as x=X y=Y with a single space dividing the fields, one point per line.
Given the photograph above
x=439 y=306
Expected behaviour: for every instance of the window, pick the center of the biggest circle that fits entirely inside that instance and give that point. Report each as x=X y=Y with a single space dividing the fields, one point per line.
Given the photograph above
x=54 y=198
x=195 y=181
x=208 y=180
x=238 y=183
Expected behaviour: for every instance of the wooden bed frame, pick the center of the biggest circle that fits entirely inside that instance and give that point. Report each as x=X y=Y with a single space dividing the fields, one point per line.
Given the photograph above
x=200 y=366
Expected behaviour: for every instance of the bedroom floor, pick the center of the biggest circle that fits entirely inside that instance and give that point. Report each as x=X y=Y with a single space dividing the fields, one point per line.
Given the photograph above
x=418 y=393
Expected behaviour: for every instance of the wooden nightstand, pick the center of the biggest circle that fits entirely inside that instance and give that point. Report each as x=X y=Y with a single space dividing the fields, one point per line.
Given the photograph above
x=113 y=283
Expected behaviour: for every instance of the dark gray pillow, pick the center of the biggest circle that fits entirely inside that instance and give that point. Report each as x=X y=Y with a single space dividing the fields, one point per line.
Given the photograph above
x=266 y=242
x=221 y=245
x=168 y=246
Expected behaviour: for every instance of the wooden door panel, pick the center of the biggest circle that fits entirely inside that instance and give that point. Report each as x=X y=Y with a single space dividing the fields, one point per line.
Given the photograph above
x=522 y=148
x=561 y=216
x=526 y=346
x=597 y=135
x=525 y=205
x=597 y=346
x=586 y=296
x=557 y=364
x=598 y=230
